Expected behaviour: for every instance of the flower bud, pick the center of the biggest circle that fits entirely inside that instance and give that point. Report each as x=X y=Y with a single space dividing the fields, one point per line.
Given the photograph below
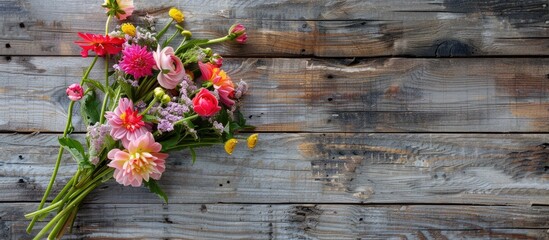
x=75 y=92
x=166 y=99
x=230 y=145
x=187 y=33
x=252 y=141
x=207 y=51
x=237 y=32
x=177 y=15
x=217 y=60
x=158 y=93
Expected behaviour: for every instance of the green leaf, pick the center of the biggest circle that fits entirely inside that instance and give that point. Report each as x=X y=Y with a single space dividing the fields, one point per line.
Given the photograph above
x=89 y=108
x=171 y=141
x=190 y=44
x=193 y=154
x=155 y=188
x=76 y=149
x=95 y=84
x=150 y=118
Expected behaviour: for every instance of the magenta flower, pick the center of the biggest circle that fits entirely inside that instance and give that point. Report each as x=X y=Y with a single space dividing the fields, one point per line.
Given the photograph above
x=137 y=61
x=125 y=122
x=140 y=161
x=238 y=31
x=75 y=92
x=170 y=66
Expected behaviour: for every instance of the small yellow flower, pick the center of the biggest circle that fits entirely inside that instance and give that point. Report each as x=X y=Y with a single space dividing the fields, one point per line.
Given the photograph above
x=230 y=145
x=252 y=141
x=128 y=28
x=177 y=15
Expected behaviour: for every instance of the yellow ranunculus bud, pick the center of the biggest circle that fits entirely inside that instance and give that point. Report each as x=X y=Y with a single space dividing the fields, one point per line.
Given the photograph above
x=252 y=141
x=177 y=15
x=128 y=28
x=230 y=145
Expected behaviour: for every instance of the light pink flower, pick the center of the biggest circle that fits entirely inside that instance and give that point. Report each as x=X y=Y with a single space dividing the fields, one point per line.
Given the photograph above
x=137 y=61
x=124 y=10
x=239 y=32
x=140 y=161
x=126 y=124
x=205 y=104
x=170 y=66
x=75 y=92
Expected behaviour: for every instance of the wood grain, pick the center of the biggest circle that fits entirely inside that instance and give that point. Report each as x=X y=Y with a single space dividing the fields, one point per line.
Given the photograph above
x=322 y=221
x=317 y=168
x=325 y=95
x=325 y=28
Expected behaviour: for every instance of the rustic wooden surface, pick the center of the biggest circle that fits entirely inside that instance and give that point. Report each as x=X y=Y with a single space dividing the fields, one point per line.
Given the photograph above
x=369 y=128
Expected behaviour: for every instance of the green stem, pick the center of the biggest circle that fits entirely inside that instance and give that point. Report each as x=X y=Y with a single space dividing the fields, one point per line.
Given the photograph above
x=43 y=210
x=66 y=197
x=93 y=181
x=171 y=38
x=62 y=214
x=190 y=118
x=217 y=40
x=148 y=107
x=106 y=98
x=107 y=24
x=161 y=33
x=58 y=227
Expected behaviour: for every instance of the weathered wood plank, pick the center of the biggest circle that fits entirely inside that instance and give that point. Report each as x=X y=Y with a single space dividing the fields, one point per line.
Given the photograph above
x=318 y=168
x=232 y=221
x=314 y=95
x=296 y=28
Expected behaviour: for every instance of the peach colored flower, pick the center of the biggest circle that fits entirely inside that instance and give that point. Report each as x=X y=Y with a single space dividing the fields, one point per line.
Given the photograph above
x=140 y=161
x=220 y=80
x=170 y=66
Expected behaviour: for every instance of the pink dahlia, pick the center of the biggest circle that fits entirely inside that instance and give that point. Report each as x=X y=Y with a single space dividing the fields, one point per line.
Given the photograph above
x=125 y=122
x=137 y=61
x=140 y=161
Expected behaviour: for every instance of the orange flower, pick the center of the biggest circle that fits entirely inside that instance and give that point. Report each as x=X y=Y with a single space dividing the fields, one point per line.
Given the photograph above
x=220 y=80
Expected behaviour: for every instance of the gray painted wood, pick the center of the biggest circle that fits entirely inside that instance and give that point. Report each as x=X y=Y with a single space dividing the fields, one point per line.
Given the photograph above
x=320 y=173
x=317 y=168
x=294 y=221
x=325 y=28
x=329 y=95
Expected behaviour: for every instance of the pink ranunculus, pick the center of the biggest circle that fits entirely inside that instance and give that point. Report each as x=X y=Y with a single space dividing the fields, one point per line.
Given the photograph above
x=124 y=10
x=170 y=66
x=205 y=104
x=140 y=161
x=239 y=32
x=75 y=92
x=126 y=124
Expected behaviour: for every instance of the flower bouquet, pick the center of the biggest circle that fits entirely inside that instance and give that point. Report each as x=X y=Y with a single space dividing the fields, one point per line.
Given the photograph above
x=156 y=99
